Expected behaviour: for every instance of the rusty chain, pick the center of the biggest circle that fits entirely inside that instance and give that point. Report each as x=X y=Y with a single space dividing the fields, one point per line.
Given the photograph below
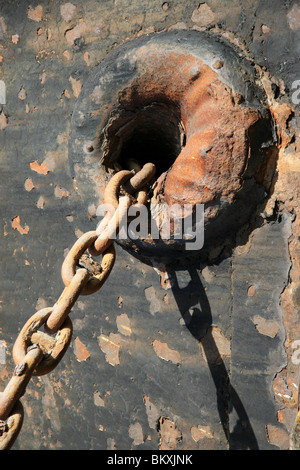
x=36 y=352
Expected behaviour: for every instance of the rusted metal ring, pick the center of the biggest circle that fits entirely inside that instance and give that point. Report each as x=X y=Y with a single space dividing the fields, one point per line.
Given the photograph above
x=69 y=265
x=112 y=190
x=66 y=301
x=13 y=425
x=30 y=334
x=202 y=96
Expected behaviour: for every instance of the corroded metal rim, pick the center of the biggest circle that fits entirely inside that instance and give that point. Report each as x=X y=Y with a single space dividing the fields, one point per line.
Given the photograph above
x=213 y=95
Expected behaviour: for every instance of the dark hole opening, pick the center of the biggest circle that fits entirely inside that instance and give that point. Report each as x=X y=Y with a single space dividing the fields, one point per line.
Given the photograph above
x=152 y=134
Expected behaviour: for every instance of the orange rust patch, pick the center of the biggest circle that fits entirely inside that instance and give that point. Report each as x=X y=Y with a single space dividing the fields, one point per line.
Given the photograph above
x=86 y=58
x=278 y=437
x=152 y=413
x=67 y=11
x=136 y=433
x=22 y=94
x=15 y=38
x=80 y=350
x=35 y=14
x=75 y=33
x=16 y=225
x=28 y=185
x=216 y=349
x=120 y=302
x=110 y=345
x=123 y=324
x=266 y=327
x=98 y=400
x=212 y=163
x=67 y=55
x=41 y=202
x=170 y=435
x=60 y=192
x=41 y=169
x=285 y=390
x=3 y=121
x=164 y=352
x=251 y=291
x=76 y=86
x=203 y=15
x=200 y=432
x=281 y=113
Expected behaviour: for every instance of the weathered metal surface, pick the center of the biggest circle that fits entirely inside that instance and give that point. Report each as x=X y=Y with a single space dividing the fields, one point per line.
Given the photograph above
x=155 y=361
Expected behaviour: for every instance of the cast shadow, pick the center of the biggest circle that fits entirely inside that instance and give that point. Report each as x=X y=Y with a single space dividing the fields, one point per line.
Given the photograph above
x=199 y=324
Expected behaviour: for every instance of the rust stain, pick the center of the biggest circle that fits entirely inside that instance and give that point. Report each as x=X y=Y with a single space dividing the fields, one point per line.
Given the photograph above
x=293 y=17
x=120 y=302
x=22 y=94
x=16 y=225
x=67 y=11
x=2 y=25
x=3 y=121
x=41 y=169
x=76 y=32
x=135 y=432
x=110 y=345
x=98 y=400
x=60 y=192
x=41 y=202
x=200 y=432
x=290 y=163
x=15 y=38
x=80 y=350
x=123 y=324
x=218 y=348
x=170 y=435
x=278 y=437
x=35 y=14
x=76 y=86
x=166 y=280
x=164 y=352
x=67 y=55
x=251 y=291
x=266 y=327
x=153 y=413
x=28 y=185
x=86 y=58
x=211 y=164
x=203 y=15
x=281 y=113
x=97 y=94
x=284 y=388
x=153 y=300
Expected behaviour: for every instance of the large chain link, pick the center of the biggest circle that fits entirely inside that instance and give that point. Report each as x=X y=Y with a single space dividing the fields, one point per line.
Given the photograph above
x=36 y=352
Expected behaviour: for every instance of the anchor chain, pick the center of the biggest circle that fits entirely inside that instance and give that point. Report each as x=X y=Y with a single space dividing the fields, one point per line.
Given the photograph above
x=38 y=352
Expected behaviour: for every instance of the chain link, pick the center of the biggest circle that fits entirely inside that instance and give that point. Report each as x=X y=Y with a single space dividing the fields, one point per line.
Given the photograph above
x=36 y=352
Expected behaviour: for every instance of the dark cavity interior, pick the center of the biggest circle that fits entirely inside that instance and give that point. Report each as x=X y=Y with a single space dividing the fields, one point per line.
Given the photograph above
x=152 y=134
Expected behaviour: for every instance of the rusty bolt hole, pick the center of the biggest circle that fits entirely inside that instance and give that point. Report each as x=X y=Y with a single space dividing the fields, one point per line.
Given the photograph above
x=153 y=134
